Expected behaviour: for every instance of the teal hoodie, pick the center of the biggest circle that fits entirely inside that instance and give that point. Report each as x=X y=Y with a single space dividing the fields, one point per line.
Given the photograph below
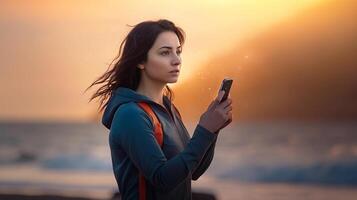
x=168 y=170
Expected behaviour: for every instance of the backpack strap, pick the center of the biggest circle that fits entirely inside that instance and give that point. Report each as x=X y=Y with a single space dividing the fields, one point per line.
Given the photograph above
x=159 y=136
x=157 y=125
x=176 y=110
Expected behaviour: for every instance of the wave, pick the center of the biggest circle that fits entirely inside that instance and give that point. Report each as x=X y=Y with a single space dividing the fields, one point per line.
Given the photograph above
x=333 y=173
x=77 y=162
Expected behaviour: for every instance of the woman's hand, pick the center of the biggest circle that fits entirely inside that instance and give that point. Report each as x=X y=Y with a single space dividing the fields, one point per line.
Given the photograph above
x=218 y=115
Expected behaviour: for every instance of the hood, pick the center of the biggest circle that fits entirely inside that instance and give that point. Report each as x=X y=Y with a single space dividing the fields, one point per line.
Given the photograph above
x=121 y=96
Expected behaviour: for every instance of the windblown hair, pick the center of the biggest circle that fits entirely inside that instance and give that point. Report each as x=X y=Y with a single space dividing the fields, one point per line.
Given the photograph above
x=125 y=73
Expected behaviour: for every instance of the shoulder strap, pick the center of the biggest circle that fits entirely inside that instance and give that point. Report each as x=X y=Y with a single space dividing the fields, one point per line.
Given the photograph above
x=157 y=125
x=176 y=110
x=159 y=138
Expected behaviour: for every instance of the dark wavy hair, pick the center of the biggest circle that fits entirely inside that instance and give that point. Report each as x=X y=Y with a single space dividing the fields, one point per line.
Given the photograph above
x=125 y=72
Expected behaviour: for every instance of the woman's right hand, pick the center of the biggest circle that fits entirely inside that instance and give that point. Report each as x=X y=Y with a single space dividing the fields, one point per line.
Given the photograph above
x=218 y=115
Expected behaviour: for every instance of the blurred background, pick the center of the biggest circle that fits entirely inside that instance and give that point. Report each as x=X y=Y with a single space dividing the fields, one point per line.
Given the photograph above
x=294 y=130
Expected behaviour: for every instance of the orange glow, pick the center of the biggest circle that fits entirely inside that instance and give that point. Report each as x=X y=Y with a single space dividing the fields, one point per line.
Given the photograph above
x=52 y=50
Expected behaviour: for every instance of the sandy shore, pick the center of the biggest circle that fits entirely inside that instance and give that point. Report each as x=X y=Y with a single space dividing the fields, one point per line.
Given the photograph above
x=39 y=197
x=195 y=196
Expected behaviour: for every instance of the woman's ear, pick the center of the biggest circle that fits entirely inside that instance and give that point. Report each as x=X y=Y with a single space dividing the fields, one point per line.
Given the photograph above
x=141 y=66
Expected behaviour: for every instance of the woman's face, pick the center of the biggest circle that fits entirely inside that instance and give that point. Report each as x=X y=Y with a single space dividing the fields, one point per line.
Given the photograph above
x=163 y=58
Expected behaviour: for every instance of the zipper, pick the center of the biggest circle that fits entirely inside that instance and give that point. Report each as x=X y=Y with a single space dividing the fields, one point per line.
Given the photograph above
x=173 y=120
x=163 y=108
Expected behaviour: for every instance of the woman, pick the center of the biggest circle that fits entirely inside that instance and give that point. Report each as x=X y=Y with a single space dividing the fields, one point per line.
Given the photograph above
x=149 y=60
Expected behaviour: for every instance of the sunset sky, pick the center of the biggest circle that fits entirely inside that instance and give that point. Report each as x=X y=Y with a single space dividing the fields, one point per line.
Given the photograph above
x=52 y=50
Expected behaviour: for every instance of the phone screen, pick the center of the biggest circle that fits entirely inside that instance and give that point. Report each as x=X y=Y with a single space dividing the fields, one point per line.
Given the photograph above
x=226 y=86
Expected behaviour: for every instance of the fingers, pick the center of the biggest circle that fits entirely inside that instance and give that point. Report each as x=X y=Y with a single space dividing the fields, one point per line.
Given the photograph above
x=225 y=103
x=220 y=95
x=228 y=109
x=225 y=113
x=216 y=101
x=226 y=123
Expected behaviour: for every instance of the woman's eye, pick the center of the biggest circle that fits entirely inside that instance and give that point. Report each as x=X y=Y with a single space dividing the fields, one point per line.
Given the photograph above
x=165 y=53
x=168 y=52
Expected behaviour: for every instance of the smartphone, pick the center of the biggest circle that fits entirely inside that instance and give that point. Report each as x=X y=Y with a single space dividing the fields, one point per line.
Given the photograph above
x=226 y=86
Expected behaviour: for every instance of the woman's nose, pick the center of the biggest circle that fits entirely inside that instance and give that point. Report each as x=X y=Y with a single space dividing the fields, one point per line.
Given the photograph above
x=176 y=60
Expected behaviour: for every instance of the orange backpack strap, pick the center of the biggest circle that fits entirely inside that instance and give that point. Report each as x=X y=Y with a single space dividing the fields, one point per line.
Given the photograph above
x=159 y=138
x=157 y=125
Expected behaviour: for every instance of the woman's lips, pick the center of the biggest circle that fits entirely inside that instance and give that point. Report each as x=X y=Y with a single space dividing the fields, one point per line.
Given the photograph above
x=175 y=72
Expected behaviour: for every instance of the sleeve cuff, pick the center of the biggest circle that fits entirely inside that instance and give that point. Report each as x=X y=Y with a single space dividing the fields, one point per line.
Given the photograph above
x=208 y=134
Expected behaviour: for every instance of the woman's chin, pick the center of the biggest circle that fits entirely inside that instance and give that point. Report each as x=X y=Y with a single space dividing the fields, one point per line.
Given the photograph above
x=172 y=81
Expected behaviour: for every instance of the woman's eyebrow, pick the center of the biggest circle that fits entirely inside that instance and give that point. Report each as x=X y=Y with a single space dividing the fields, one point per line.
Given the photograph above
x=168 y=47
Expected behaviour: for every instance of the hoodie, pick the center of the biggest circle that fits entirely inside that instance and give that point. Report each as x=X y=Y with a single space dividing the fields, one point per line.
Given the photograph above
x=168 y=170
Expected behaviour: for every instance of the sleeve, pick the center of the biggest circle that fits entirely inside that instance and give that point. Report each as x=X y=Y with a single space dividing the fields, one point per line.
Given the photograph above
x=132 y=129
x=205 y=163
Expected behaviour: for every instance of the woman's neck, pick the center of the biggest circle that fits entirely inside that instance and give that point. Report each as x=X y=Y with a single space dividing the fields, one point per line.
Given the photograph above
x=152 y=90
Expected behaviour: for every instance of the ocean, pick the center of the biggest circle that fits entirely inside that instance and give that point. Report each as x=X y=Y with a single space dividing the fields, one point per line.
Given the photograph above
x=253 y=160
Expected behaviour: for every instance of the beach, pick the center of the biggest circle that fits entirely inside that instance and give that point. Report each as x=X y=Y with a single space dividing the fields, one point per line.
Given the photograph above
x=260 y=160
